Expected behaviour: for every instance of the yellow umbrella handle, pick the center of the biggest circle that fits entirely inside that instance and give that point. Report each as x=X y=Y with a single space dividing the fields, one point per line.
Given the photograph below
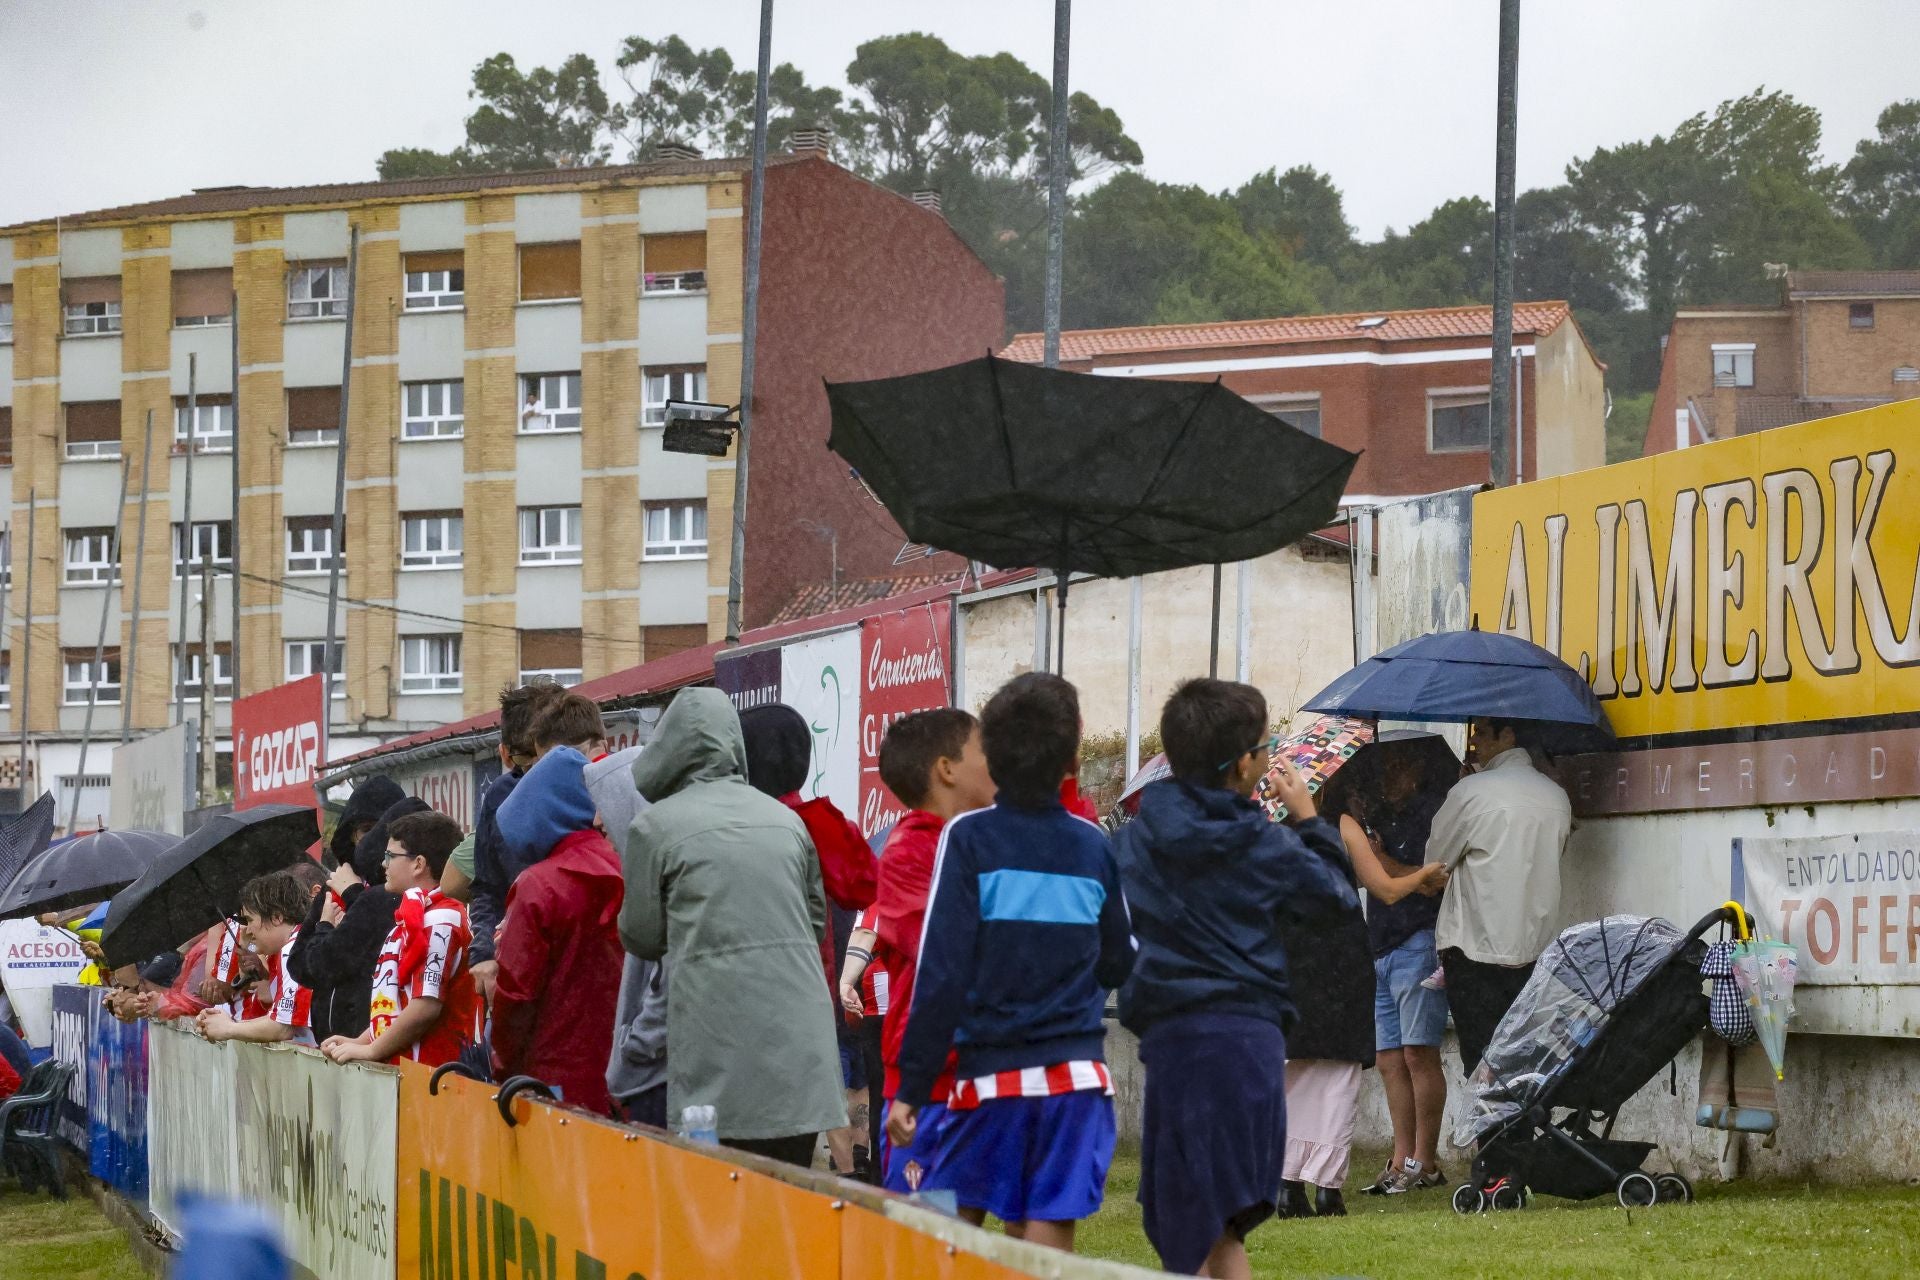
x=1742 y=928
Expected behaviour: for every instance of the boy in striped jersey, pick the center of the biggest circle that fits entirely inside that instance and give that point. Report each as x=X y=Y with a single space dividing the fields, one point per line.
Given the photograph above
x=1026 y=931
x=271 y=909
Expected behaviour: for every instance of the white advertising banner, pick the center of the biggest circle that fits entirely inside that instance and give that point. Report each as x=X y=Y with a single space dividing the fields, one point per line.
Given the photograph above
x=446 y=785
x=820 y=679
x=150 y=783
x=190 y=1148
x=34 y=958
x=1849 y=903
x=317 y=1142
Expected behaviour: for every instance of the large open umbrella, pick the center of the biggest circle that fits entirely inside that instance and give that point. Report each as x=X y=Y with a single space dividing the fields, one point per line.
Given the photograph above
x=1016 y=465
x=82 y=870
x=23 y=839
x=196 y=884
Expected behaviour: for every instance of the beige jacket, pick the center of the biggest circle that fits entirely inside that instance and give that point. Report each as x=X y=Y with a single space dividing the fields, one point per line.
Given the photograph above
x=1501 y=832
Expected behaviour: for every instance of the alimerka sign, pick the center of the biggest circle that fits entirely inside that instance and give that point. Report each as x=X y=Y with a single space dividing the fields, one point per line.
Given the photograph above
x=1725 y=599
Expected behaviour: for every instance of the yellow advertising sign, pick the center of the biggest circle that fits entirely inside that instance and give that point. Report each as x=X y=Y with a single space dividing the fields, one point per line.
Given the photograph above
x=1716 y=593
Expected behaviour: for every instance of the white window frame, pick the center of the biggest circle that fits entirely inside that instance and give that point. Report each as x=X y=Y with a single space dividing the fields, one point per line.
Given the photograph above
x=544 y=535
x=6 y=557
x=304 y=304
x=446 y=528
x=430 y=664
x=99 y=567
x=6 y=682
x=203 y=530
x=435 y=290
x=654 y=284
x=79 y=685
x=310 y=657
x=6 y=322
x=218 y=440
x=658 y=388
x=1458 y=398
x=310 y=558
x=433 y=410
x=222 y=676
x=201 y=322
x=91 y=319
x=1294 y=402
x=92 y=450
x=669 y=547
x=544 y=416
x=1733 y=351
x=565 y=677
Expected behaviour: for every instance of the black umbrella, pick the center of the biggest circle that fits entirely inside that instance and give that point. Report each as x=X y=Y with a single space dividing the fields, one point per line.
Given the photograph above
x=86 y=869
x=25 y=838
x=196 y=884
x=1017 y=465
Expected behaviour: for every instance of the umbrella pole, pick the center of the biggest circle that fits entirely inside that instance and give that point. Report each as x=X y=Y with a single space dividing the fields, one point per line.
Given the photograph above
x=1060 y=663
x=1213 y=647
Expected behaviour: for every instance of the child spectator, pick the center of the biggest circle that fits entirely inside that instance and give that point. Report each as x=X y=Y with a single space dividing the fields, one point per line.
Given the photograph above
x=1211 y=882
x=572 y=720
x=558 y=947
x=932 y=761
x=271 y=909
x=339 y=944
x=1026 y=931
x=486 y=895
x=422 y=1004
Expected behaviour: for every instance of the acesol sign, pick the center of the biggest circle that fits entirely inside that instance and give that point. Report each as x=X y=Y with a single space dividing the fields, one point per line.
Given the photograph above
x=276 y=744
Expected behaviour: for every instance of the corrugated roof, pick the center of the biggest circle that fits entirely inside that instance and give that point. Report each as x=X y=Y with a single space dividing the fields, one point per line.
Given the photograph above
x=217 y=200
x=821 y=597
x=1813 y=284
x=1384 y=327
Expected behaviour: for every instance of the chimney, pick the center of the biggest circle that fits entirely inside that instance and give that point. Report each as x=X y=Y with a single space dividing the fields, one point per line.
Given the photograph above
x=929 y=200
x=811 y=141
x=671 y=150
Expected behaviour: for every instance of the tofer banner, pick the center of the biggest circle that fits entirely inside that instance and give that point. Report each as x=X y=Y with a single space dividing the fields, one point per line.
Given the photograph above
x=1850 y=904
x=276 y=744
x=905 y=660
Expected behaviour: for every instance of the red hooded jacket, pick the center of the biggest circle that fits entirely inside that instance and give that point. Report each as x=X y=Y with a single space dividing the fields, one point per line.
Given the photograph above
x=560 y=961
x=848 y=869
x=906 y=880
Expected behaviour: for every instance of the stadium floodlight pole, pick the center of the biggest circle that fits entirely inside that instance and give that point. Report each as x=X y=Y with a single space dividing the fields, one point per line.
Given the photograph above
x=129 y=657
x=233 y=542
x=1500 y=381
x=337 y=548
x=183 y=549
x=26 y=640
x=749 y=329
x=100 y=646
x=1057 y=155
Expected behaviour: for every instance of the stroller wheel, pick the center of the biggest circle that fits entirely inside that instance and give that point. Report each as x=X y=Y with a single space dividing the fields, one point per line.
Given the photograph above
x=1509 y=1197
x=1637 y=1191
x=1468 y=1198
x=1673 y=1189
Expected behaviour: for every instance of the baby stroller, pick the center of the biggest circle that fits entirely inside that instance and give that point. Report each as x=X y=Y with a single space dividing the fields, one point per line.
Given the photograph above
x=1609 y=1003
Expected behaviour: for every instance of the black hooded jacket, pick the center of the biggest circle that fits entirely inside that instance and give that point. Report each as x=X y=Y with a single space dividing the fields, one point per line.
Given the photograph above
x=369 y=800
x=337 y=960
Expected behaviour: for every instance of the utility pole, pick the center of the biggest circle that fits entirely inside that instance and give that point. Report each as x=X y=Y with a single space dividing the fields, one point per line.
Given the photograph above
x=100 y=647
x=184 y=548
x=131 y=653
x=233 y=335
x=26 y=643
x=208 y=757
x=338 y=548
x=1500 y=382
x=749 y=331
x=1056 y=248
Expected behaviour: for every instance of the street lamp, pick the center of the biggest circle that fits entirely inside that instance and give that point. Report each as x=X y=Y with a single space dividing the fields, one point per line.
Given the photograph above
x=697 y=426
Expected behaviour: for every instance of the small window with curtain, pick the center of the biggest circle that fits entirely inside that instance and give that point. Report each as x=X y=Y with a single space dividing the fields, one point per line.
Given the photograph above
x=85 y=680
x=1301 y=412
x=91 y=306
x=304 y=658
x=550 y=402
x=433 y=410
x=551 y=657
x=661 y=383
x=430 y=664
x=675 y=531
x=313 y=415
x=436 y=281
x=317 y=291
x=550 y=272
x=1458 y=421
x=6 y=314
x=203 y=426
x=1733 y=364
x=195 y=674
x=549 y=535
x=93 y=431
x=432 y=540
x=202 y=297
x=310 y=544
x=675 y=263
x=90 y=558
x=212 y=548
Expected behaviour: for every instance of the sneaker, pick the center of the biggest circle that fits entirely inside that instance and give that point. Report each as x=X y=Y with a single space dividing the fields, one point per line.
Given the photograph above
x=1379 y=1185
x=1435 y=981
x=1433 y=1177
x=1406 y=1178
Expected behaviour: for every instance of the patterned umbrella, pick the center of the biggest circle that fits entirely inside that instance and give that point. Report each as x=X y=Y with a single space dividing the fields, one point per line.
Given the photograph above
x=1317 y=751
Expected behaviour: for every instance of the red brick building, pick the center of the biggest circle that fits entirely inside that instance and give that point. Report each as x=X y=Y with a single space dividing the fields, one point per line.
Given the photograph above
x=1407 y=390
x=1838 y=341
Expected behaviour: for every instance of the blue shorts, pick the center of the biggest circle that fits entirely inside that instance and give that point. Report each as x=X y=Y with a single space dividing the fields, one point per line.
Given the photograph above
x=1025 y=1159
x=906 y=1170
x=1404 y=1012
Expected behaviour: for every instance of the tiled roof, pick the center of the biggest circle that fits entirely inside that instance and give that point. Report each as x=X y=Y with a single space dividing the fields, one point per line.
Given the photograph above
x=216 y=200
x=1390 y=326
x=1804 y=284
x=822 y=598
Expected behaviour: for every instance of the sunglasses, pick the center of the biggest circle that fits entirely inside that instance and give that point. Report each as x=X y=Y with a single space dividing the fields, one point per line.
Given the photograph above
x=1266 y=747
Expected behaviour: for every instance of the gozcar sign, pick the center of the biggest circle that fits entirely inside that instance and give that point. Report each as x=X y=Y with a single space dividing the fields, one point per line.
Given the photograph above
x=276 y=744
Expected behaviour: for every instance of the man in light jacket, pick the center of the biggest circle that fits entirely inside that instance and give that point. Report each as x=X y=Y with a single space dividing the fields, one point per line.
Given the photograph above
x=726 y=880
x=637 y=1069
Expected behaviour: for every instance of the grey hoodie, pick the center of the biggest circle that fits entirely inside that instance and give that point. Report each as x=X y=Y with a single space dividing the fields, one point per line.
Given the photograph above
x=639 y=1060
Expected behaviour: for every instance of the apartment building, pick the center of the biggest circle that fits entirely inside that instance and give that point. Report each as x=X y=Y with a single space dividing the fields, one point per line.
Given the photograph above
x=510 y=512
x=1837 y=341
x=1407 y=390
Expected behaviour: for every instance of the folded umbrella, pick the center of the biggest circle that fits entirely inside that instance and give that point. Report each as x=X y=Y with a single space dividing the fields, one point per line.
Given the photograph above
x=196 y=884
x=87 y=869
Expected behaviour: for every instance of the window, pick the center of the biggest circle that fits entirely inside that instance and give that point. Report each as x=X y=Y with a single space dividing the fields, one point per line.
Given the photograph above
x=202 y=297
x=674 y=263
x=212 y=422
x=6 y=678
x=303 y=660
x=1733 y=364
x=431 y=541
x=196 y=673
x=6 y=313
x=552 y=657
x=665 y=640
x=86 y=682
x=670 y=382
x=1860 y=315
x=212 y=546
x=91 y=306
x=676 y=531
x=93 y=430
x=1302 y=413
x=550 y=272
x=436 y=281
x=549 y=535
x=90 y=557
x=430 y=664
x=434 y=411
x=310 y=544
x=6 y=557
x=6 y=434
x=1458 y=421
x=317 y=293
x=550 y=402
x=313 y=415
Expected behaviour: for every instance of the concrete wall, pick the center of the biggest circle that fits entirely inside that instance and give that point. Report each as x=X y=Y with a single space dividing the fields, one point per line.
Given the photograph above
x=1569 y=407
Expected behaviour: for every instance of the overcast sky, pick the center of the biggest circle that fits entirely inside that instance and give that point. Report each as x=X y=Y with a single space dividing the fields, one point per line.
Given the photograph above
x=112 y=101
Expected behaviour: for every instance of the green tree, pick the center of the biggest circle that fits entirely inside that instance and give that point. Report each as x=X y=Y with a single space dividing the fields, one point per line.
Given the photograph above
x=539 y=119
x=1301 y=209
x=1881 y=187
x=422 y=162
x=676 y=94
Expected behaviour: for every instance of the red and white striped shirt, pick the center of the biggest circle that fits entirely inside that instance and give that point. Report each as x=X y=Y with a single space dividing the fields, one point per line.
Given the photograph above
x=874 y=983
x=290 y=1005
x=439 y=972
x=1080 y=1076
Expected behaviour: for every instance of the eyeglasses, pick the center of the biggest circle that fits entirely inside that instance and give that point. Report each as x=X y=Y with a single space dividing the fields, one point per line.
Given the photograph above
x=390 y=855
x=1264 y=747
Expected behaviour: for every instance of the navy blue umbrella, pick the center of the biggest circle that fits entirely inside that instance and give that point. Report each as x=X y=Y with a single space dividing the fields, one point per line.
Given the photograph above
x=87 y=869
x=1468 y=675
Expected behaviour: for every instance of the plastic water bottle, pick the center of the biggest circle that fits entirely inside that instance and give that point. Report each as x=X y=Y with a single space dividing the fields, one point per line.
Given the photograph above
x=700 y=1124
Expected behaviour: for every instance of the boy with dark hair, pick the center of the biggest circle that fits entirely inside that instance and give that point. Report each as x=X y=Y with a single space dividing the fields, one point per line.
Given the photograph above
x=271 y=909
x=932 y=761
x=423 y=1001
x=486 y=895
x=1026 y=931
x=571 y=720
x=1212 y=885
